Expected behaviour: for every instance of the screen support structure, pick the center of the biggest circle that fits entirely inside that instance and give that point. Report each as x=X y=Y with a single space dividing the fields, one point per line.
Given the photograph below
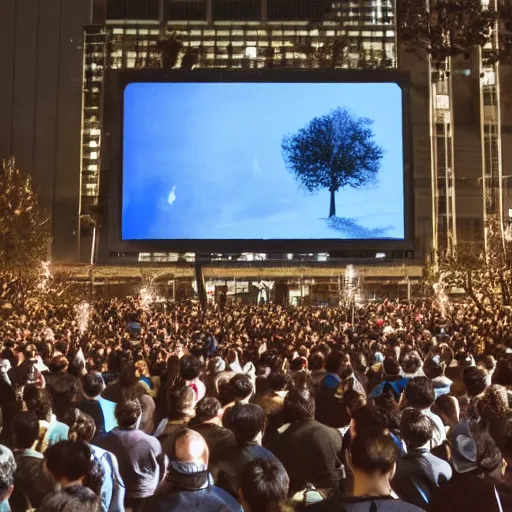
x=201 y=259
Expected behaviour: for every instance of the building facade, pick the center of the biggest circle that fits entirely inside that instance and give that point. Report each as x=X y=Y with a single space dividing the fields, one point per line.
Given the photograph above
x=54 y=55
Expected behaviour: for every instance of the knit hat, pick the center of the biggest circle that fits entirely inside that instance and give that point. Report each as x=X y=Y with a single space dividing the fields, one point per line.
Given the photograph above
x=464 y=452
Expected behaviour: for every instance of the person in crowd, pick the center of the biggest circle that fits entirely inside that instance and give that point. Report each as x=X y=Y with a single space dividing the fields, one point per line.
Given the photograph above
x=7 y=477
x=127 y=387
x=418 y=472
x=144 y=376
x=31 y=483
x=247 y=422
x=190 y=369
x=373 y=458
x=238 y=389
x=316 y=364
x=141 y=461
x=272 y=402
x=392 y=379
x=69 y=463
x=494 y=413
x=51 y=430
x=477 y=483
x=475 y=381
x=102 y=411
x=112 y=491
x=435 y=371
x=64 y=388
x=216 y=366
x=189 y=485
x=309 y=450
x=419 y=394
x=448 y=409
x=264 y=486
x=208 y=423
x=181 y=410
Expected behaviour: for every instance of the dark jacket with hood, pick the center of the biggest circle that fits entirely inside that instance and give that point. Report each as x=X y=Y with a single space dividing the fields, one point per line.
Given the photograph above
x=189 y=487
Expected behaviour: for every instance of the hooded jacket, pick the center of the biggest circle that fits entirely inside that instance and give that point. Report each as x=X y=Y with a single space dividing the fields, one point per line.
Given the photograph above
x=190 y=487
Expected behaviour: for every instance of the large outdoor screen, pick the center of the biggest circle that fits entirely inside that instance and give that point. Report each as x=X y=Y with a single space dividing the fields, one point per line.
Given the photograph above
x=254 y=160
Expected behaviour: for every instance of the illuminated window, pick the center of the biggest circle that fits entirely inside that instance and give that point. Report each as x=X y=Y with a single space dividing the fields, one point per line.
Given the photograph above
x=251 y=52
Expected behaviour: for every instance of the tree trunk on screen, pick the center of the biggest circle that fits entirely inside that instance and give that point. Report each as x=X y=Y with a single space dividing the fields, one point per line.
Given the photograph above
x=332 y=209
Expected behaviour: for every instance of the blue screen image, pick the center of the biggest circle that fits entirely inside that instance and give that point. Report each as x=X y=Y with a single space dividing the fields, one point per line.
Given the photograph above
x=262 y=161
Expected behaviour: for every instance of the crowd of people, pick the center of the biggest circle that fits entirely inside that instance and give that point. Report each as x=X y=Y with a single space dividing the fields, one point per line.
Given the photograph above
x=165 y=407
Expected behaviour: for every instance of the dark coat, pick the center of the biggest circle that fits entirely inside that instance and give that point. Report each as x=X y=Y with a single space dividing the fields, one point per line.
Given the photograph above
x=233 y=462
x=310 y=453
x=31 y=484
x=189 y=487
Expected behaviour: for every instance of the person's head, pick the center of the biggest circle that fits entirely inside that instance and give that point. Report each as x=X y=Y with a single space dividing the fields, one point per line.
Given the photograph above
x=93 y=384
x=190 y=447
x=207 y=409
x=7 y=471
x=264 y=486
x=416 y=429
x=316 y=361
x=412 y=363
x=142 y=369
x=299 y=405
x=353 y=400
x=278 y=381
x=391 y=368
x=216 y=365
x=473 y=449
x=333 y=362
x=128 y=413
x=181 y=403
x=58 y=364
x=493 y=405
x=127 y=375
x=447 y=408
x=71 y=499
x=419 y=393
x=25 y=427
x=246 y=421
x=81 y=425
x=241 y=387
x=367 y=417
x=69 y=462
x=372 y=458
x=38 y=401
x=190 y=367
x=503 y=372
x=475 y=380
x=434 y=367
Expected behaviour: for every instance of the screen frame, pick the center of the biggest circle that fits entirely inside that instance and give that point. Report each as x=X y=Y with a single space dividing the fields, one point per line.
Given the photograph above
x=112 y=160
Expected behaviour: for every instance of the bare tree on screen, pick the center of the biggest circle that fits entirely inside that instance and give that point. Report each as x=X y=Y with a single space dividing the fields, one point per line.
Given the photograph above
x=332 y=152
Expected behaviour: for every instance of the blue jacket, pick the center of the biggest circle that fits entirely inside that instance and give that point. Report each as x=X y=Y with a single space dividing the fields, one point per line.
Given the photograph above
x=189 y=487
x=108 y=409
x=418 y=475
x=112 y=487
x=397 y=386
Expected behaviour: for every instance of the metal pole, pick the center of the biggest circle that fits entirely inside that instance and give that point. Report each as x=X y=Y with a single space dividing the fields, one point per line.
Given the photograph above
x=174 y=290
x=93 y=244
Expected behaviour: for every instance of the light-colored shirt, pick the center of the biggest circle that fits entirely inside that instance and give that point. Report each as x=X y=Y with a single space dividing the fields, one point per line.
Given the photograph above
x=439 y=435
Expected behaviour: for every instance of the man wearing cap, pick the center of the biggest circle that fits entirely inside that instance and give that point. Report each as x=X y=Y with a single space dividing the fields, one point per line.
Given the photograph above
x=475 y=459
